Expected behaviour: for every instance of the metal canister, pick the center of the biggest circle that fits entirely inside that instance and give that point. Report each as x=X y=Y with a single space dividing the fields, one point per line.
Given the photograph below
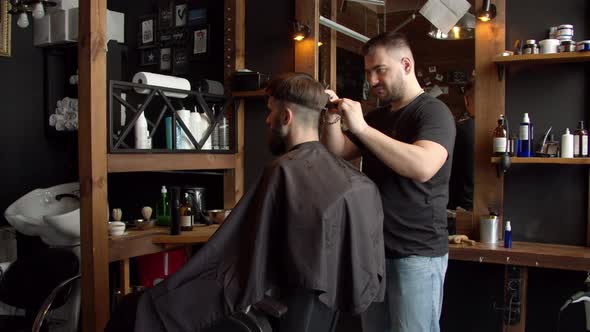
x=488 y=229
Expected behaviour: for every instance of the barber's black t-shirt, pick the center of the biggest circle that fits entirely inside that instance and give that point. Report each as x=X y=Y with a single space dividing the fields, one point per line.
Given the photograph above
x=415 y=213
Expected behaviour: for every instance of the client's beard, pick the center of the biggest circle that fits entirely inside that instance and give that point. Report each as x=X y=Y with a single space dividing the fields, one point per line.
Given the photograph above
x=276 y=143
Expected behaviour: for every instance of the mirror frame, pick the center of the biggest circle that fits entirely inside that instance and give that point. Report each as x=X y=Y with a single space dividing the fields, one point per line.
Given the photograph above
x=5 y=24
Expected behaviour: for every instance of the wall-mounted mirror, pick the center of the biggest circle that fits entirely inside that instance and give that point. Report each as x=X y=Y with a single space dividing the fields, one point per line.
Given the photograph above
x=444 y=66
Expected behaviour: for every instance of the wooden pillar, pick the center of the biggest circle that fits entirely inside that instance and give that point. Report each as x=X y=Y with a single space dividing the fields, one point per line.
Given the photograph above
x=234 y=56
x=333 y=45
x=92 y=148
x=489 y=104
x=306 y=51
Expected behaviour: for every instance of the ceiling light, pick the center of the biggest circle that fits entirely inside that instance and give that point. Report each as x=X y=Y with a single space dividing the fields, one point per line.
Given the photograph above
x=300 y=31
x=464 y=29
x=21 y=8
x=487 y=12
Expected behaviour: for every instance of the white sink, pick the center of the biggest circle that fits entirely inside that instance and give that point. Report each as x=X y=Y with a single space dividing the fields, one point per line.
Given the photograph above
x=48 y=214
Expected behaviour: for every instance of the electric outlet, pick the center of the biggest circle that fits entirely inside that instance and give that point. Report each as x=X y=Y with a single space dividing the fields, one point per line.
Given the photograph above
x=513 y=295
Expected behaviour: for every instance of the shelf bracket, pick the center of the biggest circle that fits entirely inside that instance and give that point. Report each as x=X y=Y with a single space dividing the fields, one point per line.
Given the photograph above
x=501 y=70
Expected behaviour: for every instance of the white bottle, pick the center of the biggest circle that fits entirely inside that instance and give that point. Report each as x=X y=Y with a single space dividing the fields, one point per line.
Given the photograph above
x=182 y=140
x=203 y=126
x=142 y=140
x=194 y=120
x=567 y=144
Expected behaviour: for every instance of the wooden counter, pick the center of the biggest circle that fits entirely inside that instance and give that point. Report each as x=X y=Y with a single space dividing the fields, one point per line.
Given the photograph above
x=525 y=254
x=142 y=242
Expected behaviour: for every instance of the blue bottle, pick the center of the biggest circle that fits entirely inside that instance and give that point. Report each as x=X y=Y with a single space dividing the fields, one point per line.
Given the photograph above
x=508 y=235
x=525 y=137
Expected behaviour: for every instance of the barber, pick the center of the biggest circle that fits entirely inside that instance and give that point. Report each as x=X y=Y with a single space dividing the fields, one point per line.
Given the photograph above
x=407 y=147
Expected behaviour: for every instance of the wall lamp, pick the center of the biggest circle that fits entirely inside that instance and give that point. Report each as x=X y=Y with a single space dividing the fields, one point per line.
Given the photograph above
x=487 y=12
x=21 y=8
x=300 y=31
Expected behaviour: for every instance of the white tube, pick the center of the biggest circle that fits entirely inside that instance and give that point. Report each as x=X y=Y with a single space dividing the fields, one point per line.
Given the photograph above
x=342 y=29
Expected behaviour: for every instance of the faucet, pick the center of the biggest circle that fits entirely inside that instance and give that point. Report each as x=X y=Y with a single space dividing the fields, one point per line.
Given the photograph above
x=60 y=196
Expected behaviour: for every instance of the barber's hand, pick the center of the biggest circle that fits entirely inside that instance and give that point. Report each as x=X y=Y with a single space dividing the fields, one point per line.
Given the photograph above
x=332 y=94
x=353 y=115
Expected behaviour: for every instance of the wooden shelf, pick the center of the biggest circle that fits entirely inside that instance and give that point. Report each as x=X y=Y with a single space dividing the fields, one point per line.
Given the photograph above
x=143 y=242
x=197 y=235
x=525 y=254
x=539 y=160
x=250 y=94
x=543 y=58
x=146 y=162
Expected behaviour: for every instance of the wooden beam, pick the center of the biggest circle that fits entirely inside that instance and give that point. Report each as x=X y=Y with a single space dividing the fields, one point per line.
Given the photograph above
x=306 y=51
x=92 y=149
x=235 y=44
x=125 y=277
x=333 y=46
x=490 y=40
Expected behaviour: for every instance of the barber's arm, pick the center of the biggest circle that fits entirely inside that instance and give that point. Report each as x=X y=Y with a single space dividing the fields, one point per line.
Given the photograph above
x=333 y=137
x=420 y=160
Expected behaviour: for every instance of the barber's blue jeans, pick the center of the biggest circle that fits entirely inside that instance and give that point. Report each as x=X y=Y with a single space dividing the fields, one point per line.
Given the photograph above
x=413 y=300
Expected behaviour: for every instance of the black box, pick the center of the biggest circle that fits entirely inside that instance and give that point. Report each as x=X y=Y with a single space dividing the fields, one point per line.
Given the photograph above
x=249 y=81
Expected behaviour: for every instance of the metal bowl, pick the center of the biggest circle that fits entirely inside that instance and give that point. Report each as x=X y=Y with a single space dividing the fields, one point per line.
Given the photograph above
x=142 y=223
x=218 y=216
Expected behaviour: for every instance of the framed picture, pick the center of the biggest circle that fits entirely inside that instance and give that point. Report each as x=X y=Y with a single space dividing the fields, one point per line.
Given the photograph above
x=197 y=16
x=200 y=38
x=165 y=59
x=165 y=39
x=180 y=61
x=147 y=31
x=179 y=37
x=4 y=29
x=149 y=56
x=165 y=14
x=180 y=15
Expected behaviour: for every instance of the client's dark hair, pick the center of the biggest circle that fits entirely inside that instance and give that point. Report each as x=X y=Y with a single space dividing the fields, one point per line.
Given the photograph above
x=300 y=89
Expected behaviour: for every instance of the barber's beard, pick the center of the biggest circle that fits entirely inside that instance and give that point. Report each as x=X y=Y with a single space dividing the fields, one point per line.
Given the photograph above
x=394 y=91
x=276 y=142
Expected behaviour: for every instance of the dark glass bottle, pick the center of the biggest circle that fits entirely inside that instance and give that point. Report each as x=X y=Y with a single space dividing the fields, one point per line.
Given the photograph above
x=500 y=137
x=581 y=141
x=186 y=214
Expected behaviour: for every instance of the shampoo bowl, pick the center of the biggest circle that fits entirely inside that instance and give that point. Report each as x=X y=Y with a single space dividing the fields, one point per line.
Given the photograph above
x=51 y=213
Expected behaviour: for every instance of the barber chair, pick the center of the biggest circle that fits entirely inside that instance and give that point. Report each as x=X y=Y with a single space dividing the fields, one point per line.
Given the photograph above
x=37 y=284
x=295 y=310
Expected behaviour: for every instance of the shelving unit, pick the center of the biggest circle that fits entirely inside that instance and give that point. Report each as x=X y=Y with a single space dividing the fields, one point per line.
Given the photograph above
x=539 y=160
x=525 y=254
x=95 y=163
x=118 y=163
x=567 y=57
x=490 y=99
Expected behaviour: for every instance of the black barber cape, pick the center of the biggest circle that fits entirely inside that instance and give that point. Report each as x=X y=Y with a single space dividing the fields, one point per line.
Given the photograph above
x=312 y=221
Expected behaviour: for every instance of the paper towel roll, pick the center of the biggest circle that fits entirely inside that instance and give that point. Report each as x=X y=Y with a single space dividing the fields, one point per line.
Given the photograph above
x=163 y=81
x=212 y=87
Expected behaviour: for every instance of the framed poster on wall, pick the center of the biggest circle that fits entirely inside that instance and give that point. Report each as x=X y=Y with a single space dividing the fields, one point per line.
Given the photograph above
x=4 y=29
x=200 y=42
x=147 y=31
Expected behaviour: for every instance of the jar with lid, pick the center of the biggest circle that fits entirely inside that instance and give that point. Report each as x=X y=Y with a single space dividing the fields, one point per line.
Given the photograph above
x=567 y=46
x=530 y=47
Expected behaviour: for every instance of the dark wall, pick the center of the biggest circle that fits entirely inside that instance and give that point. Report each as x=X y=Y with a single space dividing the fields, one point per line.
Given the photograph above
x=270 y=50
x=553 y=95
x=31 y=158
x=545 y=203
